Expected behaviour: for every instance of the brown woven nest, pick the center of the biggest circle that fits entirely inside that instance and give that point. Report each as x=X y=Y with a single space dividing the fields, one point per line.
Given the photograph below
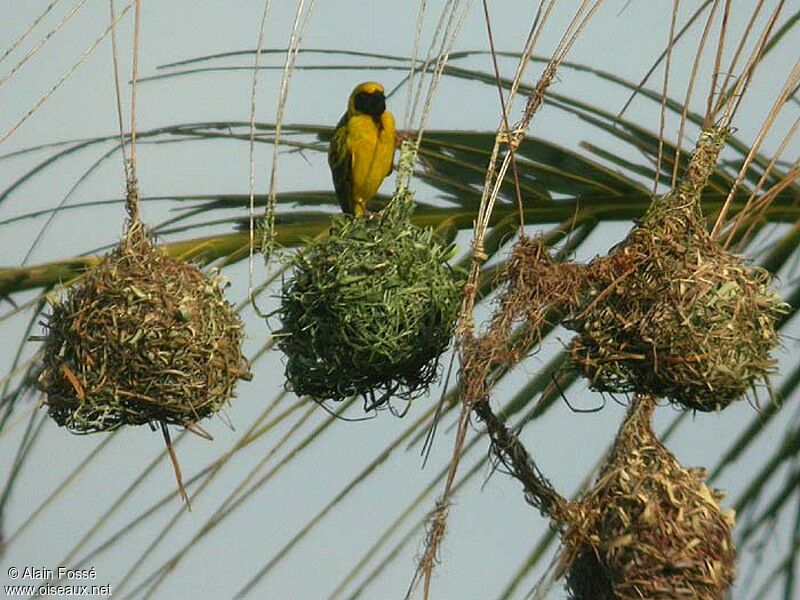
x=675 y=314
x=649 y=528
x=143 y=338
x=536 y=291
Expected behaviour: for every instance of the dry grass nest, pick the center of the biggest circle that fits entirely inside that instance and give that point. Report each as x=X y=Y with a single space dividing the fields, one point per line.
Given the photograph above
x=675 y=314
x=649 y=528
x=535 y=292
x=369 y=309
x=143 y=338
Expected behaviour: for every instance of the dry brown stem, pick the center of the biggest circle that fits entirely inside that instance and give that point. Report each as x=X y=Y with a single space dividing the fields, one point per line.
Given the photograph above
x=510 y=451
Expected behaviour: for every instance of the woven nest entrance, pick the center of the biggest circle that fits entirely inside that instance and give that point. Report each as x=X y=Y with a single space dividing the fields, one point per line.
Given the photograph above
x=144 y=338
x=369 y=309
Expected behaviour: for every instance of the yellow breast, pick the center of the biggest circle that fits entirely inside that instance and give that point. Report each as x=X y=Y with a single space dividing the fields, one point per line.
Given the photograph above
x=371 y=145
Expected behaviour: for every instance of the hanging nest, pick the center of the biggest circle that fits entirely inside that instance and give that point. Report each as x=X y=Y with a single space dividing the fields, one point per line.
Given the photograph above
x=675 y=314
x=536 y=291
x=649 y=528
x=143 y=338
x=369 y=309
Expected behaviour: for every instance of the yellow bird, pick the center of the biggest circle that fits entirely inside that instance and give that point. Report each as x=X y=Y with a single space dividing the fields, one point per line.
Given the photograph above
x=362 y=148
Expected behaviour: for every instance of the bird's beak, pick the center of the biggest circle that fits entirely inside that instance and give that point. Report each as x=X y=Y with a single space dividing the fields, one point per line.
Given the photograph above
x=380 y=102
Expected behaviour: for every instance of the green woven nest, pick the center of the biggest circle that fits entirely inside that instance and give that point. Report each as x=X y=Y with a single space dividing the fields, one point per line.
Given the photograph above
x=649 y=528
x=143 y=338
x=369 y=309
x=677 y=315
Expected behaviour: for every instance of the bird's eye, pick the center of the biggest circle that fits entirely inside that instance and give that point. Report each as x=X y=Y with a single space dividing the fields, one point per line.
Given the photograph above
x=370 y=103
x=362 y=101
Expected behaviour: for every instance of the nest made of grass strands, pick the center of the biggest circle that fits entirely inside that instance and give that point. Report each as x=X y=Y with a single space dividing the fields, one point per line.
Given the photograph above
x=649 y=528
x=536 y=290
x=369 y=309
x=675 y=314
x=143 y=338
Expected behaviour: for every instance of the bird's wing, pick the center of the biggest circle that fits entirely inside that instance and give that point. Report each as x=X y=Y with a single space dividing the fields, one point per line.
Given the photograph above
x=340 y=160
